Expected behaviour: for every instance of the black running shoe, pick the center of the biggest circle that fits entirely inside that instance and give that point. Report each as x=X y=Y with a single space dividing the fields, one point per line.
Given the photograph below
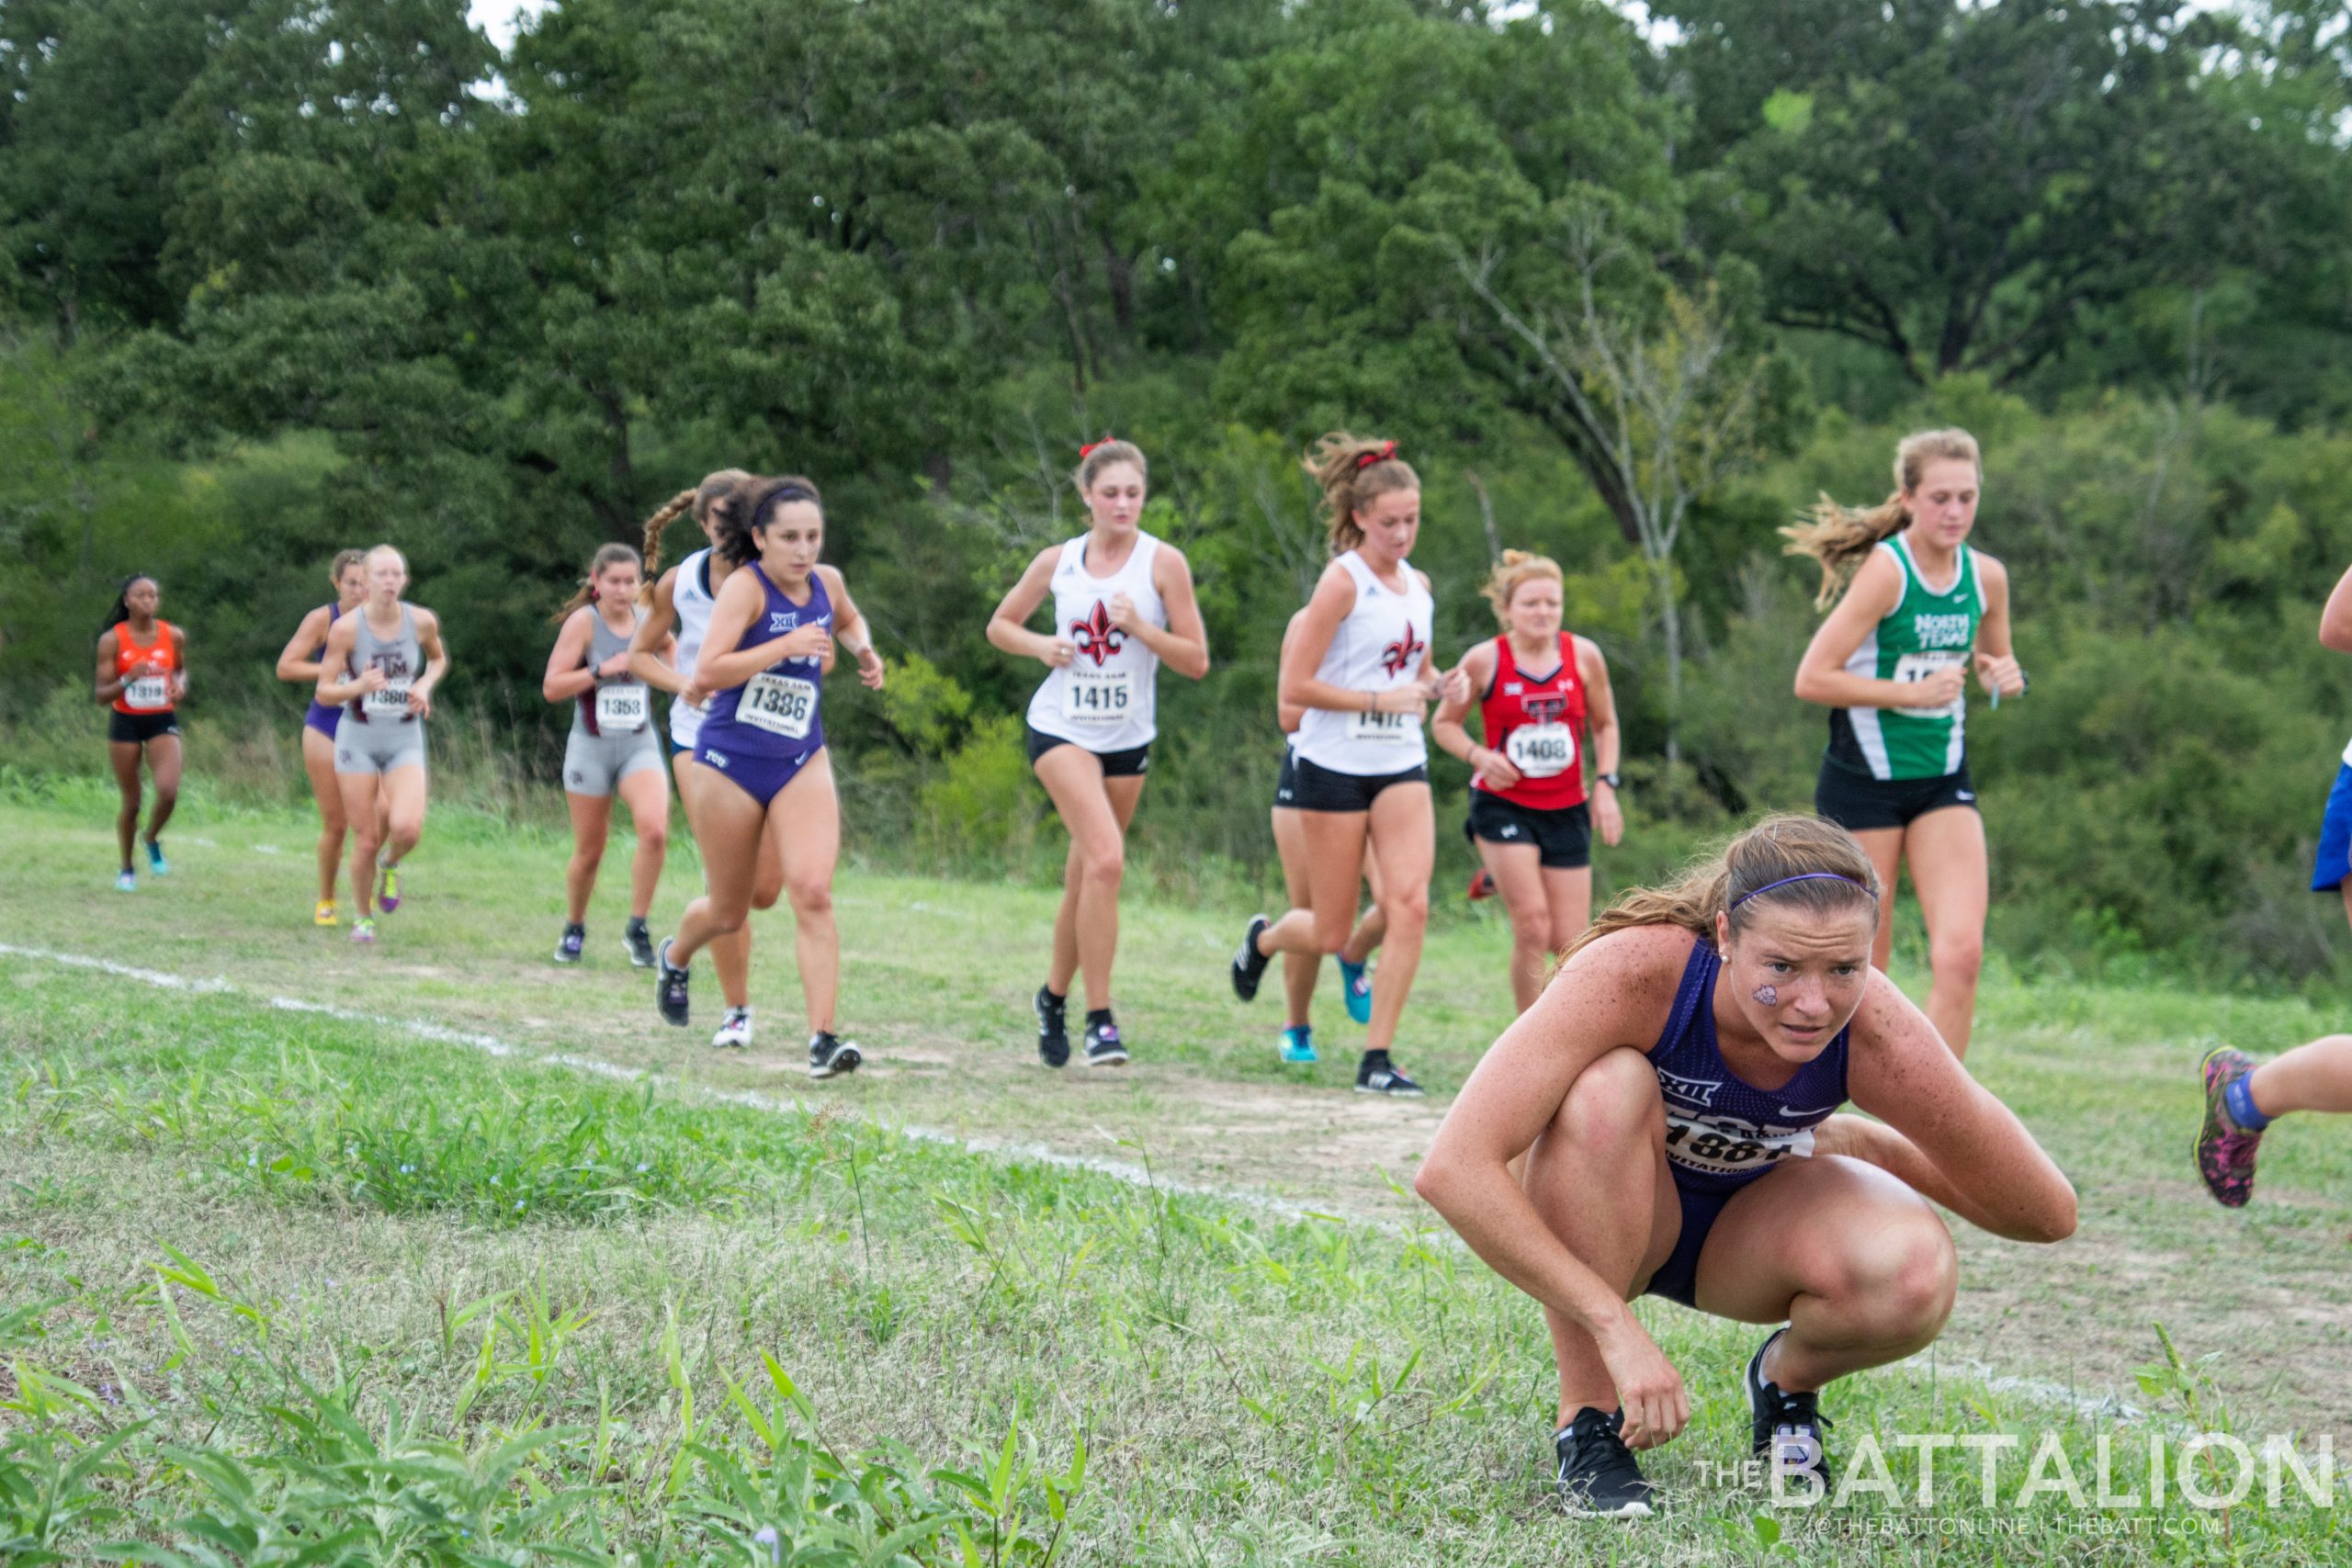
x=1053 y=1027
x=1248 y=963
x=1786 y=1428
x=1103 y=1048
x=1597 y=1476
x=567 y=947
x=640 y=944
x=670 y=987
x=1376 y=1075
x=829 y=1058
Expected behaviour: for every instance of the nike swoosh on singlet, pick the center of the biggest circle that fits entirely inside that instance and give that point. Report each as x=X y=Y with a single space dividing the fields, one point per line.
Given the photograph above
x=1963 y=794
x=1797 y=1111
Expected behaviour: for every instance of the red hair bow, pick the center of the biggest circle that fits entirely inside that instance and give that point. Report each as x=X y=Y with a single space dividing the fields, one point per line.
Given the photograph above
x=1090 y=448
x=1387 y=450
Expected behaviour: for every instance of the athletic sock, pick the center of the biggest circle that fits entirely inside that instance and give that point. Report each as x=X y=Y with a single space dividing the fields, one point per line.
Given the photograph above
x=1097 y=1018
x=2237 y=1099
x=1053 y=999
x=1376 y=1058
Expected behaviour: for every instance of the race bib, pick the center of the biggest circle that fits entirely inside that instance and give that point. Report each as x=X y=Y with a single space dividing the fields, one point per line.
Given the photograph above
x=623 y=709
x=779 y=704
x=387 y=701
x=1919 y=667
x=1383 y=728
x=1097 y=697
x=1720 y=1148
x=1542 y=750
x=148 y=692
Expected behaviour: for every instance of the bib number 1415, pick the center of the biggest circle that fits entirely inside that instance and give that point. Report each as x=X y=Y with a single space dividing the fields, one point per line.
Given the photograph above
x=1097 y=697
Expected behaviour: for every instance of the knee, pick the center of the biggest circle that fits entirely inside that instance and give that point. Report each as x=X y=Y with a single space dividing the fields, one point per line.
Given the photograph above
x=587 y=853
x=810 y=895
x=653 y=838
x=1905 y=1279
x=1407 y=909
x=406 y=832
x=167 y=794
x=1103 y=866
x=1612 y=1109
x=1534 y=929
x=1959 y=956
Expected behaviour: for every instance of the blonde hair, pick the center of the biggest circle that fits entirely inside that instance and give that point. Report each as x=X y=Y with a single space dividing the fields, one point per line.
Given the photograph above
x=1093 y=459
x=1836 y=879
x=585 y=594
x=392 y=550
x=718 y=486
x=1841 y=538
x=1353 y=470
x=1516 y=568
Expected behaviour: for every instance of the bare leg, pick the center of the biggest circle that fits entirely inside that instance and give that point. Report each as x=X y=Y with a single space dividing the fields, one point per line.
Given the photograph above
x=2317 y=1076
x=1568 y=889
x=1299 y=969
x=404 y=799
x=1598 y=1177
x=1373 y=928
x=1884 y=846
x=727 y=824
x=1854 y=1260
x=730 y=955
x=592 y=823
x=647 y=795
x=124 y=757
x=318 y=760
x=1946 y=849
x=1335 y=855
x=1095 y=810
x=362 y=795
x=1517 y=873
x=163 y=762
x=805 y=817
x=1404 y=839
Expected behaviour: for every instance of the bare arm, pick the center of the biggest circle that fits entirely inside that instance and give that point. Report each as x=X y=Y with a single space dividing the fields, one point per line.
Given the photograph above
x=849 y=630
x=1607 y=740
x=1997 y=665
x=1287 y=716
x=722 y=663
x=296 y=663
x=1951 y=1139
x=1822 y=676
x=569 y=675
x=653 y=650
x=1183 y=644
x=1616 y=992
x=437 y=663
x=336 y=687
x=2335 y=620
x=179 y=665
x=1007 y=627
x=110 y=684
x=1447 y=728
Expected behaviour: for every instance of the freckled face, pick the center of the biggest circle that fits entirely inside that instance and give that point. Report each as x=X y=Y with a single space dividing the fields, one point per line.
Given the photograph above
x=1797 y=977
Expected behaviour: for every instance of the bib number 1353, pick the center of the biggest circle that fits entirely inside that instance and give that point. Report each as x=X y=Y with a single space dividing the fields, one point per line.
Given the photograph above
x=779 y=704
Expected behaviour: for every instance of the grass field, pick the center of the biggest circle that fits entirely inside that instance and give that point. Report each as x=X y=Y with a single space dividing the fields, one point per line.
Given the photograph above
x=480 y=1264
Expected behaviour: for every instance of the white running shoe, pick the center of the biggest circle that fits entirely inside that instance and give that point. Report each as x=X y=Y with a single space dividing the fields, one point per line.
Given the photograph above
x=735 y=1032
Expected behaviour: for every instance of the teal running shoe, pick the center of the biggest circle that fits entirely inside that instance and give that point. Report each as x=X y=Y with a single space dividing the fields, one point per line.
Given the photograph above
x=155 y=860
x=1357 y=983
x=1297 y=1047
x=126 y=883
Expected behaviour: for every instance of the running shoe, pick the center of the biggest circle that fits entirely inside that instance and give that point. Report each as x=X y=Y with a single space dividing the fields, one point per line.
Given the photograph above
x=388 y=887
x=670 y=987
x=155 y=860
x=1378 y=1075
x=734 y=1030
x=1357 y=986
x=1785 y=1429
x=567 y=948
x=1104 y=1047
x=1599 y=1478
x=1482 y=885
x=639 y=943
x=1053 y=1027
x=322 y=913
x=1248 y=963
x=2224 y=1155
x=125 y=883
x=829 y=1058
x=362 y=933
x=1297 y=1047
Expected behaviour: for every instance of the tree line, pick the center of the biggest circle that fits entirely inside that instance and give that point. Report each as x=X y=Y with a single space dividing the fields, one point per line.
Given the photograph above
x=281 y=277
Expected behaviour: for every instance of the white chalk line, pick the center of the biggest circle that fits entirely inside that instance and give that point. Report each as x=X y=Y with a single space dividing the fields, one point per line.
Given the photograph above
x=2042 y=1391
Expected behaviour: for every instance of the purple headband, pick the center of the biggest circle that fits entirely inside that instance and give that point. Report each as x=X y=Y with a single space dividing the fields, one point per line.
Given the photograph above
x=1802 y=876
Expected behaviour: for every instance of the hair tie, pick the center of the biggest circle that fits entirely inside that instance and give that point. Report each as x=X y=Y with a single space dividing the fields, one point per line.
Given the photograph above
x=1380 y=454
x=1091 y=447
x=1802 y=877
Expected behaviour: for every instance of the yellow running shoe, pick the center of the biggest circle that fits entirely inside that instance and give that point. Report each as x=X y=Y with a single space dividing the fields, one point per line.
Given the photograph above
x=323 y=915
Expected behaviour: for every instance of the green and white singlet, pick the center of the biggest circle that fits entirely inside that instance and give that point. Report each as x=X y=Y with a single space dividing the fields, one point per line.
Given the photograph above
x=1926 y=630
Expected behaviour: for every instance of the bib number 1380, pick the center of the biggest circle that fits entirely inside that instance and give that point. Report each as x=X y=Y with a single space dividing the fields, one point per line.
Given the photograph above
x=779 y=704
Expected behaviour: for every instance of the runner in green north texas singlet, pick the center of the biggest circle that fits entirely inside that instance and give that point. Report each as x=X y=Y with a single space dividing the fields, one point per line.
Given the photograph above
x=1926 y=630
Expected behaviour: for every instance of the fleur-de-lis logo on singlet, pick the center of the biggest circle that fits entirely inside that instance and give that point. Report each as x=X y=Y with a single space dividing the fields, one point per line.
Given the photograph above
x=1398 y=655
x=1096 y=637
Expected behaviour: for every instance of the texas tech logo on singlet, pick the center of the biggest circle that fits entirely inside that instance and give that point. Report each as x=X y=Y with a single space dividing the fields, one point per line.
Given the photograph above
x=1096 y=637
x=1399 y=656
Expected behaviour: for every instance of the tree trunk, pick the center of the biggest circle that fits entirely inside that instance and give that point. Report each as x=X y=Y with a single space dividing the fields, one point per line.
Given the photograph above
x=1670 y=621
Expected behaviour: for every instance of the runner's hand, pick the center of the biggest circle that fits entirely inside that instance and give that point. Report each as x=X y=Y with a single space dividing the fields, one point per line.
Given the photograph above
x=1412 y=700
x=1939 y=690
x=1124 y=614
x=420 y=701
x=1999 y=673
x=372 y=679
x=1058 y=652
x=615 y=667
x=1606 y=815
x=869 y=668
x=1497 y=769
x=1457 y=688
x=1649 y=1390
x=805 y=642
x=696 y=695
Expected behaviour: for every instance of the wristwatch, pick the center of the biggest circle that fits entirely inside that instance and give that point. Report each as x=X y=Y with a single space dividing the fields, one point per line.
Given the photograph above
x=1615 y=781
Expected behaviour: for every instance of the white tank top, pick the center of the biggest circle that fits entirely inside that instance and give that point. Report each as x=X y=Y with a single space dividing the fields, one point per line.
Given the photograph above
x=1105 y=699
x=1378 y=648
x=693 y=601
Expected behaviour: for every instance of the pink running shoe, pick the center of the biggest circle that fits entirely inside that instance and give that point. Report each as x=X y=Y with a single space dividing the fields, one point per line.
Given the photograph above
x=2226 y=1155
x=364 y=932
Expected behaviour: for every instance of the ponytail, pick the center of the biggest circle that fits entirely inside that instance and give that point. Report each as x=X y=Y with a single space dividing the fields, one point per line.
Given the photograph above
x=121 y=611
x=748 y=509
x=1790 y=861
x=1517 y=567
x=1353 y=470
x=608 y=555
x=1841 y=538
x=650 y=552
